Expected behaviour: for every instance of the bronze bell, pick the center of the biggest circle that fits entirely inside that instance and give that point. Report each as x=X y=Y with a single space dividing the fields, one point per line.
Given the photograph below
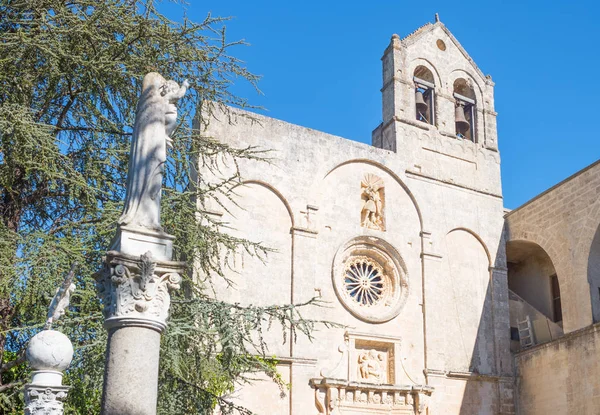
x=421 y=104
x=462 y=125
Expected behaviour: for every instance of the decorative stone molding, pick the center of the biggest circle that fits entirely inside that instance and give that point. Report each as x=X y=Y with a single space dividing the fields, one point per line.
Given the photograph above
x=45 y=400
x=308 y=233
x=370 y=279
x=421 y=125
x=428 y=178
x=467 y=376
x=334 y=396
x=136 y=290
x=338 y=370
x=137 y=241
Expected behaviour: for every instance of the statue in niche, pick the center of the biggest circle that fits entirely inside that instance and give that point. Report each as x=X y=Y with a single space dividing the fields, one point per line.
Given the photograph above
x=371 y=365
x=373 y=199
x=155 y=120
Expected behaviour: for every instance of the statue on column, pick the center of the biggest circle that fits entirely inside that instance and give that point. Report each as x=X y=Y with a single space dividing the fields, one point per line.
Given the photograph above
x=138 y=274
x=155 y=120
x=49 y=354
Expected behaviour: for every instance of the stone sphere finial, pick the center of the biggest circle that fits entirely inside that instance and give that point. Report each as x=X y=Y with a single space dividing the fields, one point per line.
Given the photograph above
x=395 y=36
x=50 y=350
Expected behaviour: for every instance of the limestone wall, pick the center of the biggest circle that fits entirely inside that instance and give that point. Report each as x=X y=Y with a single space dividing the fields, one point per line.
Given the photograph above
x=564 y=222
x=447 y=323
x=561 y=377
x=416 y=225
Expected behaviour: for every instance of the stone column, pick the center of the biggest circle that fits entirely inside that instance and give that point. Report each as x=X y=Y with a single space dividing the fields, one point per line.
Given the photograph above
x=49 y=354
x=136 y=293
x=138 y=274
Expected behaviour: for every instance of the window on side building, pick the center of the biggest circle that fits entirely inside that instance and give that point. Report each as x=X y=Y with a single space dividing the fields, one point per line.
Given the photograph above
x=557 y=307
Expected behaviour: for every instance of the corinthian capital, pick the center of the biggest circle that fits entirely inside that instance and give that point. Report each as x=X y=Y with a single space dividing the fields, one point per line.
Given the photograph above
x=136 y=289
x=45 y=400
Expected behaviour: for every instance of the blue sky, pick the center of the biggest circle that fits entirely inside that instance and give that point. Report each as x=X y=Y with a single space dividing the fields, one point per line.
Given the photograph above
x=321 y=68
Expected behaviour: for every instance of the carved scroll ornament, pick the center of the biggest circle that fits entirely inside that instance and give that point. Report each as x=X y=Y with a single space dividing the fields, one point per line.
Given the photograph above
x=136 y=290
x=42 y=400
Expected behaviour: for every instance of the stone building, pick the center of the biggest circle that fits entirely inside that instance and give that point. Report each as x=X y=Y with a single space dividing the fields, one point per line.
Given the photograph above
x=450 y=304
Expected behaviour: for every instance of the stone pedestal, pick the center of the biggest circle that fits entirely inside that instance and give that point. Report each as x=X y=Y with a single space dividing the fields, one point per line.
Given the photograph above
x=135 y=290
x=49 y=353
x=137 y=241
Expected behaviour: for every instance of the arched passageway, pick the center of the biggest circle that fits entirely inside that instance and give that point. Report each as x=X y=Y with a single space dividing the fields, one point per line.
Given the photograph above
x=593 y=274
x=534 y=294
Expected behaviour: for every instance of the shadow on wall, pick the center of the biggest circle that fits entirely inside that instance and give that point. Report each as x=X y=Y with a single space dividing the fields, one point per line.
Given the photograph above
x=529 y=312
x=469 y=326
x=593 y=275
x=466 y=264
x=488 y=388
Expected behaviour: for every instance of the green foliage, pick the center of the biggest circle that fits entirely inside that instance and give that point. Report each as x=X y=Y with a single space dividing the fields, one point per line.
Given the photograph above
x=70 y=75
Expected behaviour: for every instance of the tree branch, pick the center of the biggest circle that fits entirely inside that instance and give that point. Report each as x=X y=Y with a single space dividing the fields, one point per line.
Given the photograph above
x=9 y=386
x=9 y=365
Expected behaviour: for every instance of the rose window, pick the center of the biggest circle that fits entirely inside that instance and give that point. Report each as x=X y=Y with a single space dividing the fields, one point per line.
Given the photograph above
x=364 y=281
x=370 y=279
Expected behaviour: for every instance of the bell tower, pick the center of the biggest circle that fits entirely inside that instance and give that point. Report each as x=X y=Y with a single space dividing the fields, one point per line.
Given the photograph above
x=438 y=110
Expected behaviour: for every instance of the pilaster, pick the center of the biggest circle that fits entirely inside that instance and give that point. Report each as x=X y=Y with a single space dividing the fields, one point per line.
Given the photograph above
x=393 y=80
x=431 y=267
x=499 y=282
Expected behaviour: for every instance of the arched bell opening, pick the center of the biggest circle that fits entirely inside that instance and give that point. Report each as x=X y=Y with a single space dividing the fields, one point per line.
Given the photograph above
x=534 y=295
x=465 y=110
x=424 y=95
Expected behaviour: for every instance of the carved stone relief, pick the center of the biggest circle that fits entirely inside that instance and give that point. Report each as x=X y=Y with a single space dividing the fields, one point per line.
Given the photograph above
x=372 y=358
x=335 y=396
x=371 y=385
x=372 y=366
x=373 y=197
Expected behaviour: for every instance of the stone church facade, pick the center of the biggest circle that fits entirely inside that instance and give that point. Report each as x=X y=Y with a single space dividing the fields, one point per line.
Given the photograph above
x=450 y=304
